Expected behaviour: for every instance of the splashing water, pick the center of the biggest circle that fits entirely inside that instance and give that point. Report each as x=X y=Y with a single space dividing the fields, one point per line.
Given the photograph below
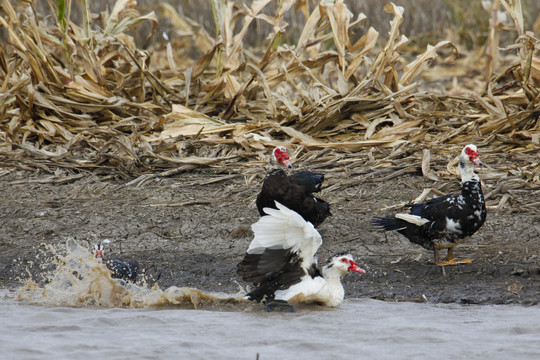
x=79 y=280
x=83 y=300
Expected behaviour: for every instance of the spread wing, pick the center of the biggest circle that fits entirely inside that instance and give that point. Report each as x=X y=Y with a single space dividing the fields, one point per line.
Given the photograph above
x=284 y=229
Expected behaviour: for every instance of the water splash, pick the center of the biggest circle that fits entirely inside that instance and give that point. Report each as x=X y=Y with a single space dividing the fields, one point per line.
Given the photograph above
x=79 y=280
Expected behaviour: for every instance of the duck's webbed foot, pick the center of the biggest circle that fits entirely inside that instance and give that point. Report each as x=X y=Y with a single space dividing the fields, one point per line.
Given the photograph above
x=449 y=259
x=278 y=305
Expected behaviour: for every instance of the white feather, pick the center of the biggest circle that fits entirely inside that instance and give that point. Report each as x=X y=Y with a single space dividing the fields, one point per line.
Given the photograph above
x=327 y=291
x=308 y=286
x=286 y=229
x=453 y=226
x=413 y=219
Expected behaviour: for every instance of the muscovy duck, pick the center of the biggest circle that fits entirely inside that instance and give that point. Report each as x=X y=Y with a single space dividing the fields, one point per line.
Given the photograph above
x=281 y=263
x=294 y=191
x=127 y=271
x=444 y=221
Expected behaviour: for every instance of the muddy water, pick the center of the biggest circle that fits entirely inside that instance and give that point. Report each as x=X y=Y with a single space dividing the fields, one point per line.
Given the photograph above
x=360 y=329
x=84 y=314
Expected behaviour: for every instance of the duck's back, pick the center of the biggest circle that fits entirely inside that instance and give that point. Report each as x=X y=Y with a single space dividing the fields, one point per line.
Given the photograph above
x=295 y=192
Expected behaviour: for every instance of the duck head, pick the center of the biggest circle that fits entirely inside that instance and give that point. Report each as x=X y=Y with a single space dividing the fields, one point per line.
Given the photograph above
x=281 y=155
x=343 y=263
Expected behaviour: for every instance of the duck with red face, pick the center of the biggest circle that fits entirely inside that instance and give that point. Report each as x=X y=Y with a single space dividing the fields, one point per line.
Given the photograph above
x=445 y=221
x=295 y=191
x=281 y=263
x=127 y=271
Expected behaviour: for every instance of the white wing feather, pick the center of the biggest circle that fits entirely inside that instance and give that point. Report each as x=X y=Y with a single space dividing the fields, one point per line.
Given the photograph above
x=285 y=229
x=413 y=219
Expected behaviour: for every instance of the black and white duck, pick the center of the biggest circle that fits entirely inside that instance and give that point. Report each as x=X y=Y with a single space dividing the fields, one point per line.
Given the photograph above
x=445 y=221
x=124 y=270
x=281 y=263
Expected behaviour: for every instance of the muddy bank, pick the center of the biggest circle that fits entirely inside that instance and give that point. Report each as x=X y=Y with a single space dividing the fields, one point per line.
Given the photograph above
x=192 y=229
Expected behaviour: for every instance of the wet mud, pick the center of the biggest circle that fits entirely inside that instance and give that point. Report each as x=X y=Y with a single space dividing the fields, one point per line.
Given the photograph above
x=192 y=229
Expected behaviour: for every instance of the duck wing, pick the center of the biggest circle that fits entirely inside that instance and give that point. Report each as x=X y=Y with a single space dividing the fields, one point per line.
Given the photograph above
x=295 y=192
x=309 y=181
x=282 y=250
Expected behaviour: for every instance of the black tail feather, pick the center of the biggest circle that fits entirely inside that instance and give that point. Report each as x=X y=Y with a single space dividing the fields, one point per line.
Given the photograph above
x=388 y=223
x=410 y=231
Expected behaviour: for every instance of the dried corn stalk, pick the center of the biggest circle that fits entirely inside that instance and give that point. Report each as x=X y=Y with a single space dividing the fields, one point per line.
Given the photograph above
x=111 y=106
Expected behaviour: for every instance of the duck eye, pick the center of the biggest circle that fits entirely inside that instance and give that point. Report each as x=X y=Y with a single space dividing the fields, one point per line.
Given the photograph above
x=343 y=260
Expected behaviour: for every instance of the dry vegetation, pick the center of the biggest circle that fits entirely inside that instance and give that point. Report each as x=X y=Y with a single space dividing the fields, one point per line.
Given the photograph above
x=96 y=95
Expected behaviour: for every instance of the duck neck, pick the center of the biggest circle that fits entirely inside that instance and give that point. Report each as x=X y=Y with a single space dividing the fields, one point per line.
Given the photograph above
x=333 y=292
x=332 y=276
x=466 y=170
x=471 y=187
x=272 y=163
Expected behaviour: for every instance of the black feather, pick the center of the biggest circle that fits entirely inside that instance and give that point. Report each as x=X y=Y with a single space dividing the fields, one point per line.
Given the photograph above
x=468 y=209
x=295 y=192
x=269 y=271
x=309 y=181
x=124 y=270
